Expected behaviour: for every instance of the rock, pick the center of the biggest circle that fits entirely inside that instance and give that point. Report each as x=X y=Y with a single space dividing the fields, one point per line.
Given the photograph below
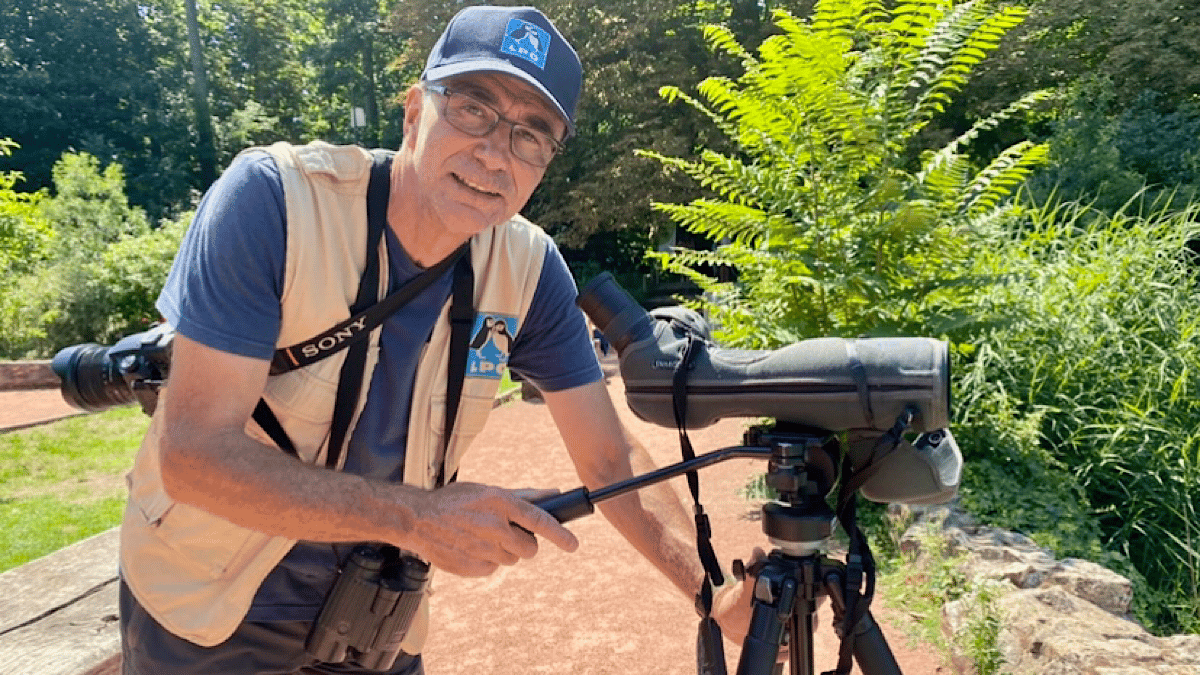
x=1055 y=617
x=1050 y=631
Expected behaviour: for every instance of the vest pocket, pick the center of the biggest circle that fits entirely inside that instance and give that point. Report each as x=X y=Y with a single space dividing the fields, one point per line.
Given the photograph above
x=203 y=541
x=473 y=411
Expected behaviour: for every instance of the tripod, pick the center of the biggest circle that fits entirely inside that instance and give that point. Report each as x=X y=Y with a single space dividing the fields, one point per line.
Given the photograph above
x=802 y=470
x=795 y=574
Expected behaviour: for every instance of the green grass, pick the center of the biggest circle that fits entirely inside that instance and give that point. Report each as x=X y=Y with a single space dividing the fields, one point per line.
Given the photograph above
x=64 y=482
x=920 y=586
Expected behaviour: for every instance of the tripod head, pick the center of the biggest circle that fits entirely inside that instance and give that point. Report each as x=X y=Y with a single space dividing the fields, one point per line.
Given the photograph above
x=802 y=471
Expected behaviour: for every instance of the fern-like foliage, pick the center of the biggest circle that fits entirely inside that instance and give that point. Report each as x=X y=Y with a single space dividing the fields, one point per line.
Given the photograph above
x=829 y=228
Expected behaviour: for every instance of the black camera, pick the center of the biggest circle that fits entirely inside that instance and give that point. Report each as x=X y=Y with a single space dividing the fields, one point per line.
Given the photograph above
x=95 y=377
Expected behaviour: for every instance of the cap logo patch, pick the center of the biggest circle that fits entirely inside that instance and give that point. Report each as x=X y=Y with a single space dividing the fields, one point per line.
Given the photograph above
x=527 y=41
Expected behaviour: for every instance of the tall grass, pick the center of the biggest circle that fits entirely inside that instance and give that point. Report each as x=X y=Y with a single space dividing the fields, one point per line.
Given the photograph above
x=1077 y=400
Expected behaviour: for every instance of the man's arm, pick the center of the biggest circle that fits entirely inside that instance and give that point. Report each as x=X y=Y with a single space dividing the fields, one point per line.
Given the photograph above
x=208 y=461
x=652 y=519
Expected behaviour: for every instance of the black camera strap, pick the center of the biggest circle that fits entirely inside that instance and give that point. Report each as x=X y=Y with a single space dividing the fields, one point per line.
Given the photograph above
x=859 y=583
x=367 y=314
x=354 y=366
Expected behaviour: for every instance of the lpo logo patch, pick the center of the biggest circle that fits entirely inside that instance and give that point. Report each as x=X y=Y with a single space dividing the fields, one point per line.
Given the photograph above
x=527 y=41
x=491 y=343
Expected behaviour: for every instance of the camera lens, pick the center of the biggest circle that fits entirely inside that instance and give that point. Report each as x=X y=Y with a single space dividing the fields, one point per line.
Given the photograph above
x=90 y=379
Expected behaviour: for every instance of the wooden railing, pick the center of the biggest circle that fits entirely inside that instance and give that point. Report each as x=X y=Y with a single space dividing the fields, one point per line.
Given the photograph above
x=58 y=614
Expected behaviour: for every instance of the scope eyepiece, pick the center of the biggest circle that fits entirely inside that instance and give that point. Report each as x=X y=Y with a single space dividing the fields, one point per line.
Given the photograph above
x=614 y=311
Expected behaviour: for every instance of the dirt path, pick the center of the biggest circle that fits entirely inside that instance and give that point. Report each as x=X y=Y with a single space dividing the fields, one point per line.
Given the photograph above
x=19 y=409
x=601 y=610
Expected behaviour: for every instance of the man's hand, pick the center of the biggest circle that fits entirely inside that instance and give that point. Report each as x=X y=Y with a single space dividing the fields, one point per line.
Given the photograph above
x=470 y=529
x=733 y=604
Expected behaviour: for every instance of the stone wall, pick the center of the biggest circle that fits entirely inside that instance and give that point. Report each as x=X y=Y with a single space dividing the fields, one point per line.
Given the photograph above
x=1057 y=617
x=21 y=375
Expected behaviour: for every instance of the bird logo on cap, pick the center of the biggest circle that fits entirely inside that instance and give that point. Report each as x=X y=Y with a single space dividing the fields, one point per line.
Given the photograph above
x=527 y=41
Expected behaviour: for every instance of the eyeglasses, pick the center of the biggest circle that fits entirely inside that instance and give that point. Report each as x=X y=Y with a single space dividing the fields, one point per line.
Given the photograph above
x=476 y=118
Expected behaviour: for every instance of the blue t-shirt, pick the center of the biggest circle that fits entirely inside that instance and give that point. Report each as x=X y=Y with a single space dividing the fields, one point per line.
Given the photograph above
x=224 y=291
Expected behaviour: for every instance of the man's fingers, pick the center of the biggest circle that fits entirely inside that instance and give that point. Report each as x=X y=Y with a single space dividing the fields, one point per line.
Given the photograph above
x=540 y=523
x=470 y=529
x=534 y=494
x=467 y=567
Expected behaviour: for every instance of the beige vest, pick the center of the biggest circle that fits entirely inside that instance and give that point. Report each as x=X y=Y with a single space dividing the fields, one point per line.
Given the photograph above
x=196 y=573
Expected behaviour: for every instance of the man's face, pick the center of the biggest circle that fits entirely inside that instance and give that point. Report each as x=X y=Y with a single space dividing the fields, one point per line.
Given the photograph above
x=465 y=183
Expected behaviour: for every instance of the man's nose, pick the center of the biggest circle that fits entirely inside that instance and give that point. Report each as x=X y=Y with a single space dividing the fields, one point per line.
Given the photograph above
x=495 y=147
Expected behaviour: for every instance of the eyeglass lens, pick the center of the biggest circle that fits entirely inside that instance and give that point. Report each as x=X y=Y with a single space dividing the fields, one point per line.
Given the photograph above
x=478 y=119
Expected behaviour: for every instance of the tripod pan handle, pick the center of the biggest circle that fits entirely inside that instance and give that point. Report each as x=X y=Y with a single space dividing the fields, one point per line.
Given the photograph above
x=568 y=505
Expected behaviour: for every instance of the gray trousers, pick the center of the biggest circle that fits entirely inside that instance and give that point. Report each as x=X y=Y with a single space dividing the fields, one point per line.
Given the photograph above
x=255 y=648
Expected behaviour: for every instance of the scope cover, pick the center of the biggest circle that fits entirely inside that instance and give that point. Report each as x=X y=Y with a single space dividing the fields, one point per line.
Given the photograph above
x=830 y=383
x=817 y=382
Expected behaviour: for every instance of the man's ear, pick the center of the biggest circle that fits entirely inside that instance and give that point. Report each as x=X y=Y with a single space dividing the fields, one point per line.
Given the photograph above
x=412 y=108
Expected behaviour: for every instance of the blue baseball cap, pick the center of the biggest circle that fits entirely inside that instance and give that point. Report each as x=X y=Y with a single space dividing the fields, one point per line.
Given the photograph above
x=517 y=41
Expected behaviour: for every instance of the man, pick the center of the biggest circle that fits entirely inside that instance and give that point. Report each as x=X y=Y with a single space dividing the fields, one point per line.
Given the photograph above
x=230 y=545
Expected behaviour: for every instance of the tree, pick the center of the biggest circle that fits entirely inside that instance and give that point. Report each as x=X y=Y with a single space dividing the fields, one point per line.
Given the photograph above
x=206 y=151
x=1137 y=44
x=831 y=225
x=358 y=70
x=82 y=75
x=1129 y=115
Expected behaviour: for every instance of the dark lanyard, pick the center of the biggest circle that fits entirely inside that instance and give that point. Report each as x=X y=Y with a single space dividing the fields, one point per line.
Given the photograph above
x=367 y=314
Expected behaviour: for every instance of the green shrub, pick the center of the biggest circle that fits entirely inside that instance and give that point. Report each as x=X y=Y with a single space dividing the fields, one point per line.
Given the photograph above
x=25 y=235
x=832 y=224
x=26 y=241
x=104 y=299
x=100 y=272
x=1077 y=405
x=89 y=209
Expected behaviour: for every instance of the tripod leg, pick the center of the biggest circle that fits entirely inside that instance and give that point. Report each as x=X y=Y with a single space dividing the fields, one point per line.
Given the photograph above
x=871 y=650
x=800 y=646
x=774 y=599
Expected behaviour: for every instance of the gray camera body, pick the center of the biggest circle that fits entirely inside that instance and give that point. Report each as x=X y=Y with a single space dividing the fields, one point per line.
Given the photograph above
x=861 y=386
